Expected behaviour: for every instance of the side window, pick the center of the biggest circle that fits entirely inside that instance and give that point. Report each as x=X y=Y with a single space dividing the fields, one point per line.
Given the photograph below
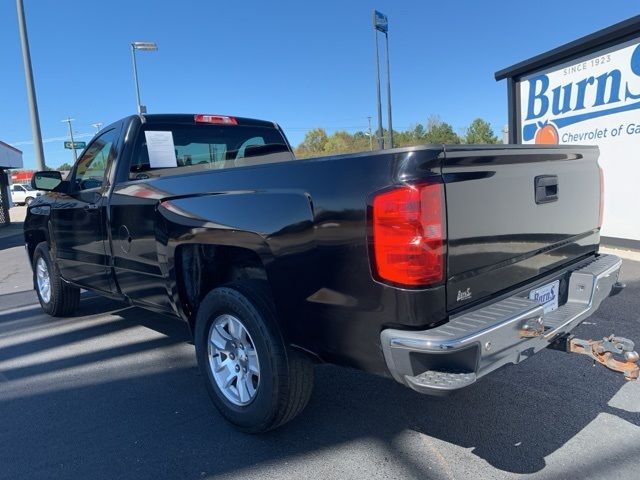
x=17 y=188
x=90 y=169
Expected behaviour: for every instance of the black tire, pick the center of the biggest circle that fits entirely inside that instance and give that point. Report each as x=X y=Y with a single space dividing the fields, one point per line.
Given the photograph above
x=65 y=298
x=286 y=376
x=28 y=200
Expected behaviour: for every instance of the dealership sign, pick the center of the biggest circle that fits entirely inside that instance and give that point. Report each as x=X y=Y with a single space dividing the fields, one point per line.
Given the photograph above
x=592 y=100
x=556 y=105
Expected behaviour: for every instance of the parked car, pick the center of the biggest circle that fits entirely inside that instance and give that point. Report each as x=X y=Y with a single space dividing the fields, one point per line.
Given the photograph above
x=434 y=265
x=23 y=194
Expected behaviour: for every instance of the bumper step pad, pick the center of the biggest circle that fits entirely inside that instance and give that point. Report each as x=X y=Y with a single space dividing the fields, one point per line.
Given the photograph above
x=442 y=381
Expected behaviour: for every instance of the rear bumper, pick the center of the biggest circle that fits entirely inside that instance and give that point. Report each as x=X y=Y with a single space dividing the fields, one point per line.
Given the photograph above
x=473 y=344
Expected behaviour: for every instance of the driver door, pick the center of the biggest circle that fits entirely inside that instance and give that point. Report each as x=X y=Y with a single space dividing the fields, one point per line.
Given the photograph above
x=78 y=218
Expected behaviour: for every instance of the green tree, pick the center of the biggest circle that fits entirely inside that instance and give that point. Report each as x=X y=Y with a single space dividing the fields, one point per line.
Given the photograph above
x=339 y=142
x=313 y=144
x=412 y=136
x=480 y=132
x=64 y=167
x=317 y=143
x=361 y=142
x=440 y=132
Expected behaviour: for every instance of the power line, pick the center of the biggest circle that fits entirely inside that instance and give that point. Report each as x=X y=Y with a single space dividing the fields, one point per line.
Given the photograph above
x=51 y=139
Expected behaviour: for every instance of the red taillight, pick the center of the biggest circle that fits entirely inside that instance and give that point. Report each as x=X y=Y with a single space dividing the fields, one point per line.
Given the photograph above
x=219 y=119
x=409 y=234
x=601 y=213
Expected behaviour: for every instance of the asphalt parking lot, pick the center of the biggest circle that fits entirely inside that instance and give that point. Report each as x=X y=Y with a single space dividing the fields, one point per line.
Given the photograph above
x=115 y=393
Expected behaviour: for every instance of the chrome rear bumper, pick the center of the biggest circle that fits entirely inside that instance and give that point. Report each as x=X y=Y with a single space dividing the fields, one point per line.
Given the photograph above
x=473 y=344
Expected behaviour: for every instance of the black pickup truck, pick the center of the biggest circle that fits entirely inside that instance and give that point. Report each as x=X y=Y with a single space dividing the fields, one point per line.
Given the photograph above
x=434 y=265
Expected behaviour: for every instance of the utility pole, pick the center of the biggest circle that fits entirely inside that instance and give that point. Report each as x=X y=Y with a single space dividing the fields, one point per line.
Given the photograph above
x=31 y=91
x=370 y=134
x=73 y=144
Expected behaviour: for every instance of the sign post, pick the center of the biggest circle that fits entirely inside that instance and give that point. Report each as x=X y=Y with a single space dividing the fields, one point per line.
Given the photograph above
x=381 y=24
x=71 y=143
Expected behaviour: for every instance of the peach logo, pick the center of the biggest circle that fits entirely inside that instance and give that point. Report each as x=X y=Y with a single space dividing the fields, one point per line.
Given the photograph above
x=547 y=134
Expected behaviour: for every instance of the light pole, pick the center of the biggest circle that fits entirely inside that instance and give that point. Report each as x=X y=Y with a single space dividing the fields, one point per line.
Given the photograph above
x=386 y=37
x=381 y=24
x=31 y=90
x=380 y=132
x=73 y=144
x=97 y=126
x=144 y=46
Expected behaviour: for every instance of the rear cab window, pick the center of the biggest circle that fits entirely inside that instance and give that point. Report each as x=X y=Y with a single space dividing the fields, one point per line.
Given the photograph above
x=163 y=149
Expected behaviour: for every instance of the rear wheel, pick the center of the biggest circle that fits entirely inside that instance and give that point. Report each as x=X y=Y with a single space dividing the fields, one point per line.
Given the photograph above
x=56 y=297
x=256 y=383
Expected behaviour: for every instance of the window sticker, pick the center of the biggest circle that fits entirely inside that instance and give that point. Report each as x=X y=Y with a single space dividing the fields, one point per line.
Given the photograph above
x=162 y=153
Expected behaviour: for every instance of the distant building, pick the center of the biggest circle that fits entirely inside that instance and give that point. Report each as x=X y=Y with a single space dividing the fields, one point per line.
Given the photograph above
x=22 y=176
x=10 y=157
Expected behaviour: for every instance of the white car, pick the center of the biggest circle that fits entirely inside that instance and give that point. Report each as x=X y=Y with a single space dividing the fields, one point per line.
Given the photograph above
x=23 y=194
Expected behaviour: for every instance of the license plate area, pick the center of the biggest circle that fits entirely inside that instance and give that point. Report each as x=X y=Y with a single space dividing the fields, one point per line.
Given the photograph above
x=547 y=296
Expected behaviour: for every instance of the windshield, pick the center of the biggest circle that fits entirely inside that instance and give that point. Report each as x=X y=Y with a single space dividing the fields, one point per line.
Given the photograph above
x=28 y=188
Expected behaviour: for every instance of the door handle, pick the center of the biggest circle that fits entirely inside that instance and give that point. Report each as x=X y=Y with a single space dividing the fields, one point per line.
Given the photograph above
x=91 y=207
x=546 y=189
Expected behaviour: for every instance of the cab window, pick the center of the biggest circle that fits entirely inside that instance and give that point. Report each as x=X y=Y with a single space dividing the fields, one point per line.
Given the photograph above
x=193 y=148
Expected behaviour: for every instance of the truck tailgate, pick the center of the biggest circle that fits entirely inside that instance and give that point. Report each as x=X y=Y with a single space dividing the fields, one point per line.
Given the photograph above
x=514 y=214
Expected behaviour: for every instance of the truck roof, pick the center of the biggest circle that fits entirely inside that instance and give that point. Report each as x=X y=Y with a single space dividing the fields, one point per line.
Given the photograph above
x=189 y=118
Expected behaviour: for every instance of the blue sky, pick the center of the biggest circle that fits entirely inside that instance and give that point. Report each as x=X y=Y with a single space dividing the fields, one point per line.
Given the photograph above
x=302 y=64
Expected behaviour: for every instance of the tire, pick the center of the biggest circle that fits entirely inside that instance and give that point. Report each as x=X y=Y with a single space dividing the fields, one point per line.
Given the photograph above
x=285 y=376
x=61 y=299
x=28 y=200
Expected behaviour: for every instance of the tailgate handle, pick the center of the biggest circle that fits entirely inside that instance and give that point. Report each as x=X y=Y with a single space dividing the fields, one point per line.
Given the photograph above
x=546 y=188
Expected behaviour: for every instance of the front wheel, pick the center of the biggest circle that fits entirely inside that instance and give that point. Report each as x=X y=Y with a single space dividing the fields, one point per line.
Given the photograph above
x=256 y=383
x=56 y=297
x=28 y=200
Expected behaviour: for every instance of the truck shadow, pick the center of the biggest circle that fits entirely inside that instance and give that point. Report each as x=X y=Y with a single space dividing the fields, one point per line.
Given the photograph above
x=12 y=238
x=147 y=414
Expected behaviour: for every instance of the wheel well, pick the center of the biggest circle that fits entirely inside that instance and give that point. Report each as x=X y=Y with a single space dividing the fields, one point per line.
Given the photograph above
x=33 y=238
x=200 y=268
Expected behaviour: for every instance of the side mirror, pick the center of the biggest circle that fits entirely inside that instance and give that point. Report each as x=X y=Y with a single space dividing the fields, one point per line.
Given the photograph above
x=48 y=181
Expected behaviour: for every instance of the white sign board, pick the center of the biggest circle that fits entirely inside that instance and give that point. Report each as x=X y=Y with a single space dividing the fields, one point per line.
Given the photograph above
x=593 y=100
x=162 y=153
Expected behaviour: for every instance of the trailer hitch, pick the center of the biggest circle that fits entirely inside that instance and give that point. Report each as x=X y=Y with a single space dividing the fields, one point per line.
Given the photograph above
x=615 y=353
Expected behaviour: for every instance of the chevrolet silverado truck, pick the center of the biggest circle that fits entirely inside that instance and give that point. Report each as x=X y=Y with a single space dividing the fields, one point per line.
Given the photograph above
x=434 y=265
